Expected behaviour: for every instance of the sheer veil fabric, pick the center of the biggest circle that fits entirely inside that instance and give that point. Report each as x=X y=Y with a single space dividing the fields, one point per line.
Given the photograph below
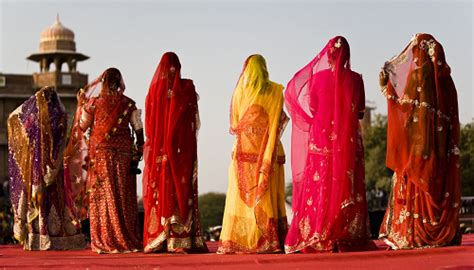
x=422 y=148
x=324 y=100
x=76 y=153
x=254 y=217
x=170 y=182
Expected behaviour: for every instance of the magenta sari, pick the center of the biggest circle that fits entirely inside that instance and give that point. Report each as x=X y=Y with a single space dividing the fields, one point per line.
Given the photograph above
x=325 y=100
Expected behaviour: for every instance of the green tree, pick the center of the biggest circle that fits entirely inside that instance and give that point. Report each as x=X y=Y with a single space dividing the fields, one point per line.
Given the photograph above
x=375 y=143
x=466 y=145
x=211 y=208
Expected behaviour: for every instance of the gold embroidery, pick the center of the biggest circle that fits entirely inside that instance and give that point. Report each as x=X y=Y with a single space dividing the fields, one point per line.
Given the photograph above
x=429 y=46
x=155 y=244
x=316 y=176
x=54 y=222
x=45 y=242
x=162 y=158
x=69 y=224
x=153 y=226
x=406 y=100
x=355 y=225
x=177 y=228
x=346 y=203
x=309 y=202
x=400 y=241
x=305 y=227
x=176 y=243
x=321 y=151
x=403 y=216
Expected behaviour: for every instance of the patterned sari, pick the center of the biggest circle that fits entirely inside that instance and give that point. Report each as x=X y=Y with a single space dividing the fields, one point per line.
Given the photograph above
x=43 y=210
x=422 y=148
x=325 y=99
x=170 y=196
x=254 y=216
x=109 y=191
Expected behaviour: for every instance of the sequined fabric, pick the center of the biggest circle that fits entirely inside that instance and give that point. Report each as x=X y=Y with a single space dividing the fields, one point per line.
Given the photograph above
x=113 y=192
x=316 y=235
x=44 y=216
x=408 y=224
x=423 y=133
x=325 y=100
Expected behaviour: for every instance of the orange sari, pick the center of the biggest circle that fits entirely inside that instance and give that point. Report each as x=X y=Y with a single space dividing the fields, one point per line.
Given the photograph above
x=422 y=148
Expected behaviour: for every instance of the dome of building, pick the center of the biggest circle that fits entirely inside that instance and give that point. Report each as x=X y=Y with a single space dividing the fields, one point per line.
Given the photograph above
x=57 y=38
x=57 y=46
x=57 y=32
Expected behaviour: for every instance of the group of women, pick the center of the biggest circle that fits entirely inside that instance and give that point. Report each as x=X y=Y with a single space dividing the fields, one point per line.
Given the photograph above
x=56 y=183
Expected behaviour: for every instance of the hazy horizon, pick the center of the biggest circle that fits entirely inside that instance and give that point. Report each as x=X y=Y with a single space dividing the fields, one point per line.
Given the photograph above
x=213 y=39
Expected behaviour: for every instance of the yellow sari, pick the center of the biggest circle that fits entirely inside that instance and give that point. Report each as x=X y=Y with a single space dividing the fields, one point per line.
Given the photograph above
x=254 y=216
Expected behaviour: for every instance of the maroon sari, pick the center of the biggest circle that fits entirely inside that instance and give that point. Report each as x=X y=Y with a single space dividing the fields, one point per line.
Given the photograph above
x=170 y=153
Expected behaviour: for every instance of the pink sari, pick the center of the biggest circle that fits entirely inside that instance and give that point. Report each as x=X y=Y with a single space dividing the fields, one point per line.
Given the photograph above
x=325 y=100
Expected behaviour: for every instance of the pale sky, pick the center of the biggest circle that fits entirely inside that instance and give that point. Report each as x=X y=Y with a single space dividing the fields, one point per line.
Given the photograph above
x=213 y=39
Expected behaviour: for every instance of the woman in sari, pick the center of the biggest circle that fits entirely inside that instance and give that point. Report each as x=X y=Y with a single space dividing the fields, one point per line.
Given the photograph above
x=422 y=148
x=110 y=185
x=170 y=196
x=43 y=212
x=254 y=216
x=325 y=100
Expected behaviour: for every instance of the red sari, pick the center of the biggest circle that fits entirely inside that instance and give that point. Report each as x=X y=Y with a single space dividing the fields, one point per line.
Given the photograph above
x=170 y=153
x=113 y=198
x=422 y=148
x=108 y=190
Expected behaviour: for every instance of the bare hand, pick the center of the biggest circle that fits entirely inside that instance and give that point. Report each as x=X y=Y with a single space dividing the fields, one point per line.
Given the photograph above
x=383 y=78
x=81 y=96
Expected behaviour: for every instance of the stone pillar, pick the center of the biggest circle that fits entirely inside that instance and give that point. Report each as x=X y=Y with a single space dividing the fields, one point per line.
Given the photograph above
x=47 y=64
x=69 y=65
x=72 y=65
x=42 y=65
x=58 y=64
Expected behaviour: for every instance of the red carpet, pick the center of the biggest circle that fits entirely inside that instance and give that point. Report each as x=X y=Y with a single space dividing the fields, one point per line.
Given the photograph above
x=449 y=258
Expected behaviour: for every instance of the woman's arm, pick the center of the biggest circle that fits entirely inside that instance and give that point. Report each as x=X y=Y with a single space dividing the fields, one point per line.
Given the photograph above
x=87 y=116
x=137 y=125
